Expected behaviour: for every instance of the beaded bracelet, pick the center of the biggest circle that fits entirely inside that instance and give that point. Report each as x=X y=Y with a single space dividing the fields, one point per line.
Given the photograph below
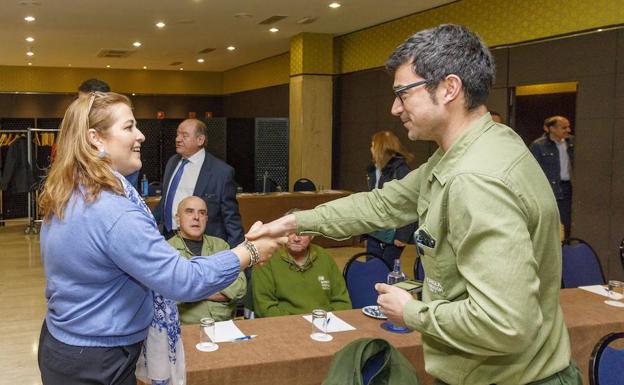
x=254 y=255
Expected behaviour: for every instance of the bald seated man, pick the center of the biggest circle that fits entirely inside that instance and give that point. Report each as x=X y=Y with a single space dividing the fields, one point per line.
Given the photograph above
x=190 y=241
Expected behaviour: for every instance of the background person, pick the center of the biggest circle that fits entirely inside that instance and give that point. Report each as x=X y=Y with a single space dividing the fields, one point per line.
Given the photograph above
x=191 y=241
x=103 y=255
x=489 y=229
x=390 y=160
x=194 y=171
x=300 y=278
x=554 y=151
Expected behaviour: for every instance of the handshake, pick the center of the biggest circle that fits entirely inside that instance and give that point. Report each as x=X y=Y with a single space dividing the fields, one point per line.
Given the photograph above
x=264 y=239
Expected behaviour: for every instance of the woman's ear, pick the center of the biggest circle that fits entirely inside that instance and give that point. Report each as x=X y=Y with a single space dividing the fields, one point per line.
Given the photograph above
x=95 y=140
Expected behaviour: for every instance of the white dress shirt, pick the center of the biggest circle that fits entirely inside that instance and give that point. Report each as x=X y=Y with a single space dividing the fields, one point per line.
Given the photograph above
x=564 y=160
x=187 y=182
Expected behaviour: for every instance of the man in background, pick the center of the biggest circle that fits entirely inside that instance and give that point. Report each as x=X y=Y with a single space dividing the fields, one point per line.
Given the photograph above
x=554 y=152
x=190 y=241
x=194 y=171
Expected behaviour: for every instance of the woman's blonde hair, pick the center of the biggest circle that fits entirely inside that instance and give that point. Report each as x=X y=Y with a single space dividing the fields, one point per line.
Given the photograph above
x=77 y=162
x=385 y=146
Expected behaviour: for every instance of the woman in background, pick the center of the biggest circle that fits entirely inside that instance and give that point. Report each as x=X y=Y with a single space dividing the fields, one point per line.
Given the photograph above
x=390 y=160
x=104 y=258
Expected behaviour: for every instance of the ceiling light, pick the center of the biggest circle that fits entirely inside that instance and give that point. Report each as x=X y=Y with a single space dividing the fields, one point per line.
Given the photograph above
x=69 y=65
x=133 y=94
x=181 y=69
x=274 y=29
x=334 y=5
x=231 y=48
x=29 y=64
x=30 y=39
x=108 y=66
x=30 y=53
x=160 y=24
x=200 y=60
x=144 y=67
x=137 y=44
x=29 y=19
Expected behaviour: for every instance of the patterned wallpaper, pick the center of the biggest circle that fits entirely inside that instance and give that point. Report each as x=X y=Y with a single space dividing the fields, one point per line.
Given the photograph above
x=498 y=22
x=264 y=73
x=52 y=79
x=312 y=53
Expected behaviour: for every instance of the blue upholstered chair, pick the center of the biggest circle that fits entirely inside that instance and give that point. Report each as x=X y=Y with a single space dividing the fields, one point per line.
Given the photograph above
x=581 y=266
x=303 y=184
x=606 y=363
x=361 y=274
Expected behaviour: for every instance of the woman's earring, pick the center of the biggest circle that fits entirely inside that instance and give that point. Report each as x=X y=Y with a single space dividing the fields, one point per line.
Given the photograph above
x=102 y=154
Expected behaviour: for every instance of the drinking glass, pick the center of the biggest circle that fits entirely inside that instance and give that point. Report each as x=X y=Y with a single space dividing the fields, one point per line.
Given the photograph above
x=319 y=326
x=207 y=335
x=616 y=293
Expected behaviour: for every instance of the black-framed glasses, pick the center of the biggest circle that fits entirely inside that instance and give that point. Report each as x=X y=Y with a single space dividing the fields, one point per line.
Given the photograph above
x=400 y=91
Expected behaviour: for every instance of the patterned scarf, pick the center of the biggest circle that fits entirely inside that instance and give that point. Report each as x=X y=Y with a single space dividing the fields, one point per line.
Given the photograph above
x=162 y=359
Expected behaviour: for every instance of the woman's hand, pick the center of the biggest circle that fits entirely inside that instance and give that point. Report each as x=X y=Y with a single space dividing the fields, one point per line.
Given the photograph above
x=265 y=244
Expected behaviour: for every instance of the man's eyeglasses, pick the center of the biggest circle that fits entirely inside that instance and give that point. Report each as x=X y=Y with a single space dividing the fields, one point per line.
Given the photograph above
x=399 y=92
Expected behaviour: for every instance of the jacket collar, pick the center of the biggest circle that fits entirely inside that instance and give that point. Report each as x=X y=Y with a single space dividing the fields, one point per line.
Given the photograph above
x=447 y=162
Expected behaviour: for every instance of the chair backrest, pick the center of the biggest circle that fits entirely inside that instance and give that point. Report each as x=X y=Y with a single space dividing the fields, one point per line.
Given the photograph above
x=304 y=184
x=607 y=361
x=361 y=277
x=581 y=266
x=419 y=272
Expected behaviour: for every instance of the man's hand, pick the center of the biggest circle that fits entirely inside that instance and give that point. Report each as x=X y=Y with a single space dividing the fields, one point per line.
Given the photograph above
x=392 y=301
x=278 y=228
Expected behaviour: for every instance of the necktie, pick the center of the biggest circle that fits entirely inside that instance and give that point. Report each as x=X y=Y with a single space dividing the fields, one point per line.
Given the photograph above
x=173 y=186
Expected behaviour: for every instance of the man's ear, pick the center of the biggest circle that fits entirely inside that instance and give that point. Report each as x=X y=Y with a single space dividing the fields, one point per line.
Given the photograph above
x=177 y=219
x=95 y=139
x=452 y=88
x=201 y=140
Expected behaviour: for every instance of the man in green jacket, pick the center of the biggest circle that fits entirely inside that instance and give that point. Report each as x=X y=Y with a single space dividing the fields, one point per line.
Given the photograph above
x=489 y=226
x=191 y=241
x=299 y=278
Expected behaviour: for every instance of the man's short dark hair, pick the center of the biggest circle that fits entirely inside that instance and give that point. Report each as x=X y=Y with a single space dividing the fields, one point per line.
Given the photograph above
x=93 y=85
x=448 y=49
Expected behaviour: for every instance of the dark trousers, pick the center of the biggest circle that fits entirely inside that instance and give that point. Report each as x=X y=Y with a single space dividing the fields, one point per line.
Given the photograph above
x=565 y=207
x=389 y=252
x=62 y=364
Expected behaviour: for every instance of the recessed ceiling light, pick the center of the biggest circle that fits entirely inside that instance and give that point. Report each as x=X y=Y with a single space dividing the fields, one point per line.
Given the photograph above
x=200 y=60
x=108 y=66
x=30 y=53
x=144 y=67
x=599 y=30
x=137 y=44
x=274 y=29
x=29 y=64
x=160 y=24
x=334 y=5
x=231 y=48
x=29 y=19
x=181 y=69
x=30 y=39
x=133 y=94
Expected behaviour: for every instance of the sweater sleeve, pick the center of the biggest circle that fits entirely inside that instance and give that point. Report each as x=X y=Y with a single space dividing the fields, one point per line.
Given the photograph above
x=266 y=303
x=340 y=299
x=137 y=248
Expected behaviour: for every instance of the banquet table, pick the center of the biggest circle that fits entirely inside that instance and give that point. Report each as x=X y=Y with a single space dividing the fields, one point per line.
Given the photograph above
x=283 y=352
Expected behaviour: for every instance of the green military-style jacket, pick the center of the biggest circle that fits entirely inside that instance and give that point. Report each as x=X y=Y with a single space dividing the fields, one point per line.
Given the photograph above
x=192 y=312
x=489 y=239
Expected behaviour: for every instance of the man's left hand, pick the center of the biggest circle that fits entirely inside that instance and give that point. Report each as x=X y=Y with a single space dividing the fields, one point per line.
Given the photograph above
x=392 y=301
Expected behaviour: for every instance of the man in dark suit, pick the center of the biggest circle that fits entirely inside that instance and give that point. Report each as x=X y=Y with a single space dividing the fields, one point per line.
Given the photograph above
x=194 y=171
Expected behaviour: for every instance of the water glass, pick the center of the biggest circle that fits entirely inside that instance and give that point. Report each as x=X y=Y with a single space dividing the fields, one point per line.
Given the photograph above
x=207 y=335
x=616 y=293
x=319 y=326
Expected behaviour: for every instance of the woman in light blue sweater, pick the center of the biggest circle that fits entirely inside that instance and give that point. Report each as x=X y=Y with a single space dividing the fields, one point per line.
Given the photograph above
x=104 y=258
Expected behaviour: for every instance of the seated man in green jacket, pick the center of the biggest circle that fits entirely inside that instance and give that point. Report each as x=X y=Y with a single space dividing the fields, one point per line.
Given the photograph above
x=299 y=278
x=191 y=241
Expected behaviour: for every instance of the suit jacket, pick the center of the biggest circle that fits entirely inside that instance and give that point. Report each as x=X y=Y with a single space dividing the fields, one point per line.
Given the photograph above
x=216 y=186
